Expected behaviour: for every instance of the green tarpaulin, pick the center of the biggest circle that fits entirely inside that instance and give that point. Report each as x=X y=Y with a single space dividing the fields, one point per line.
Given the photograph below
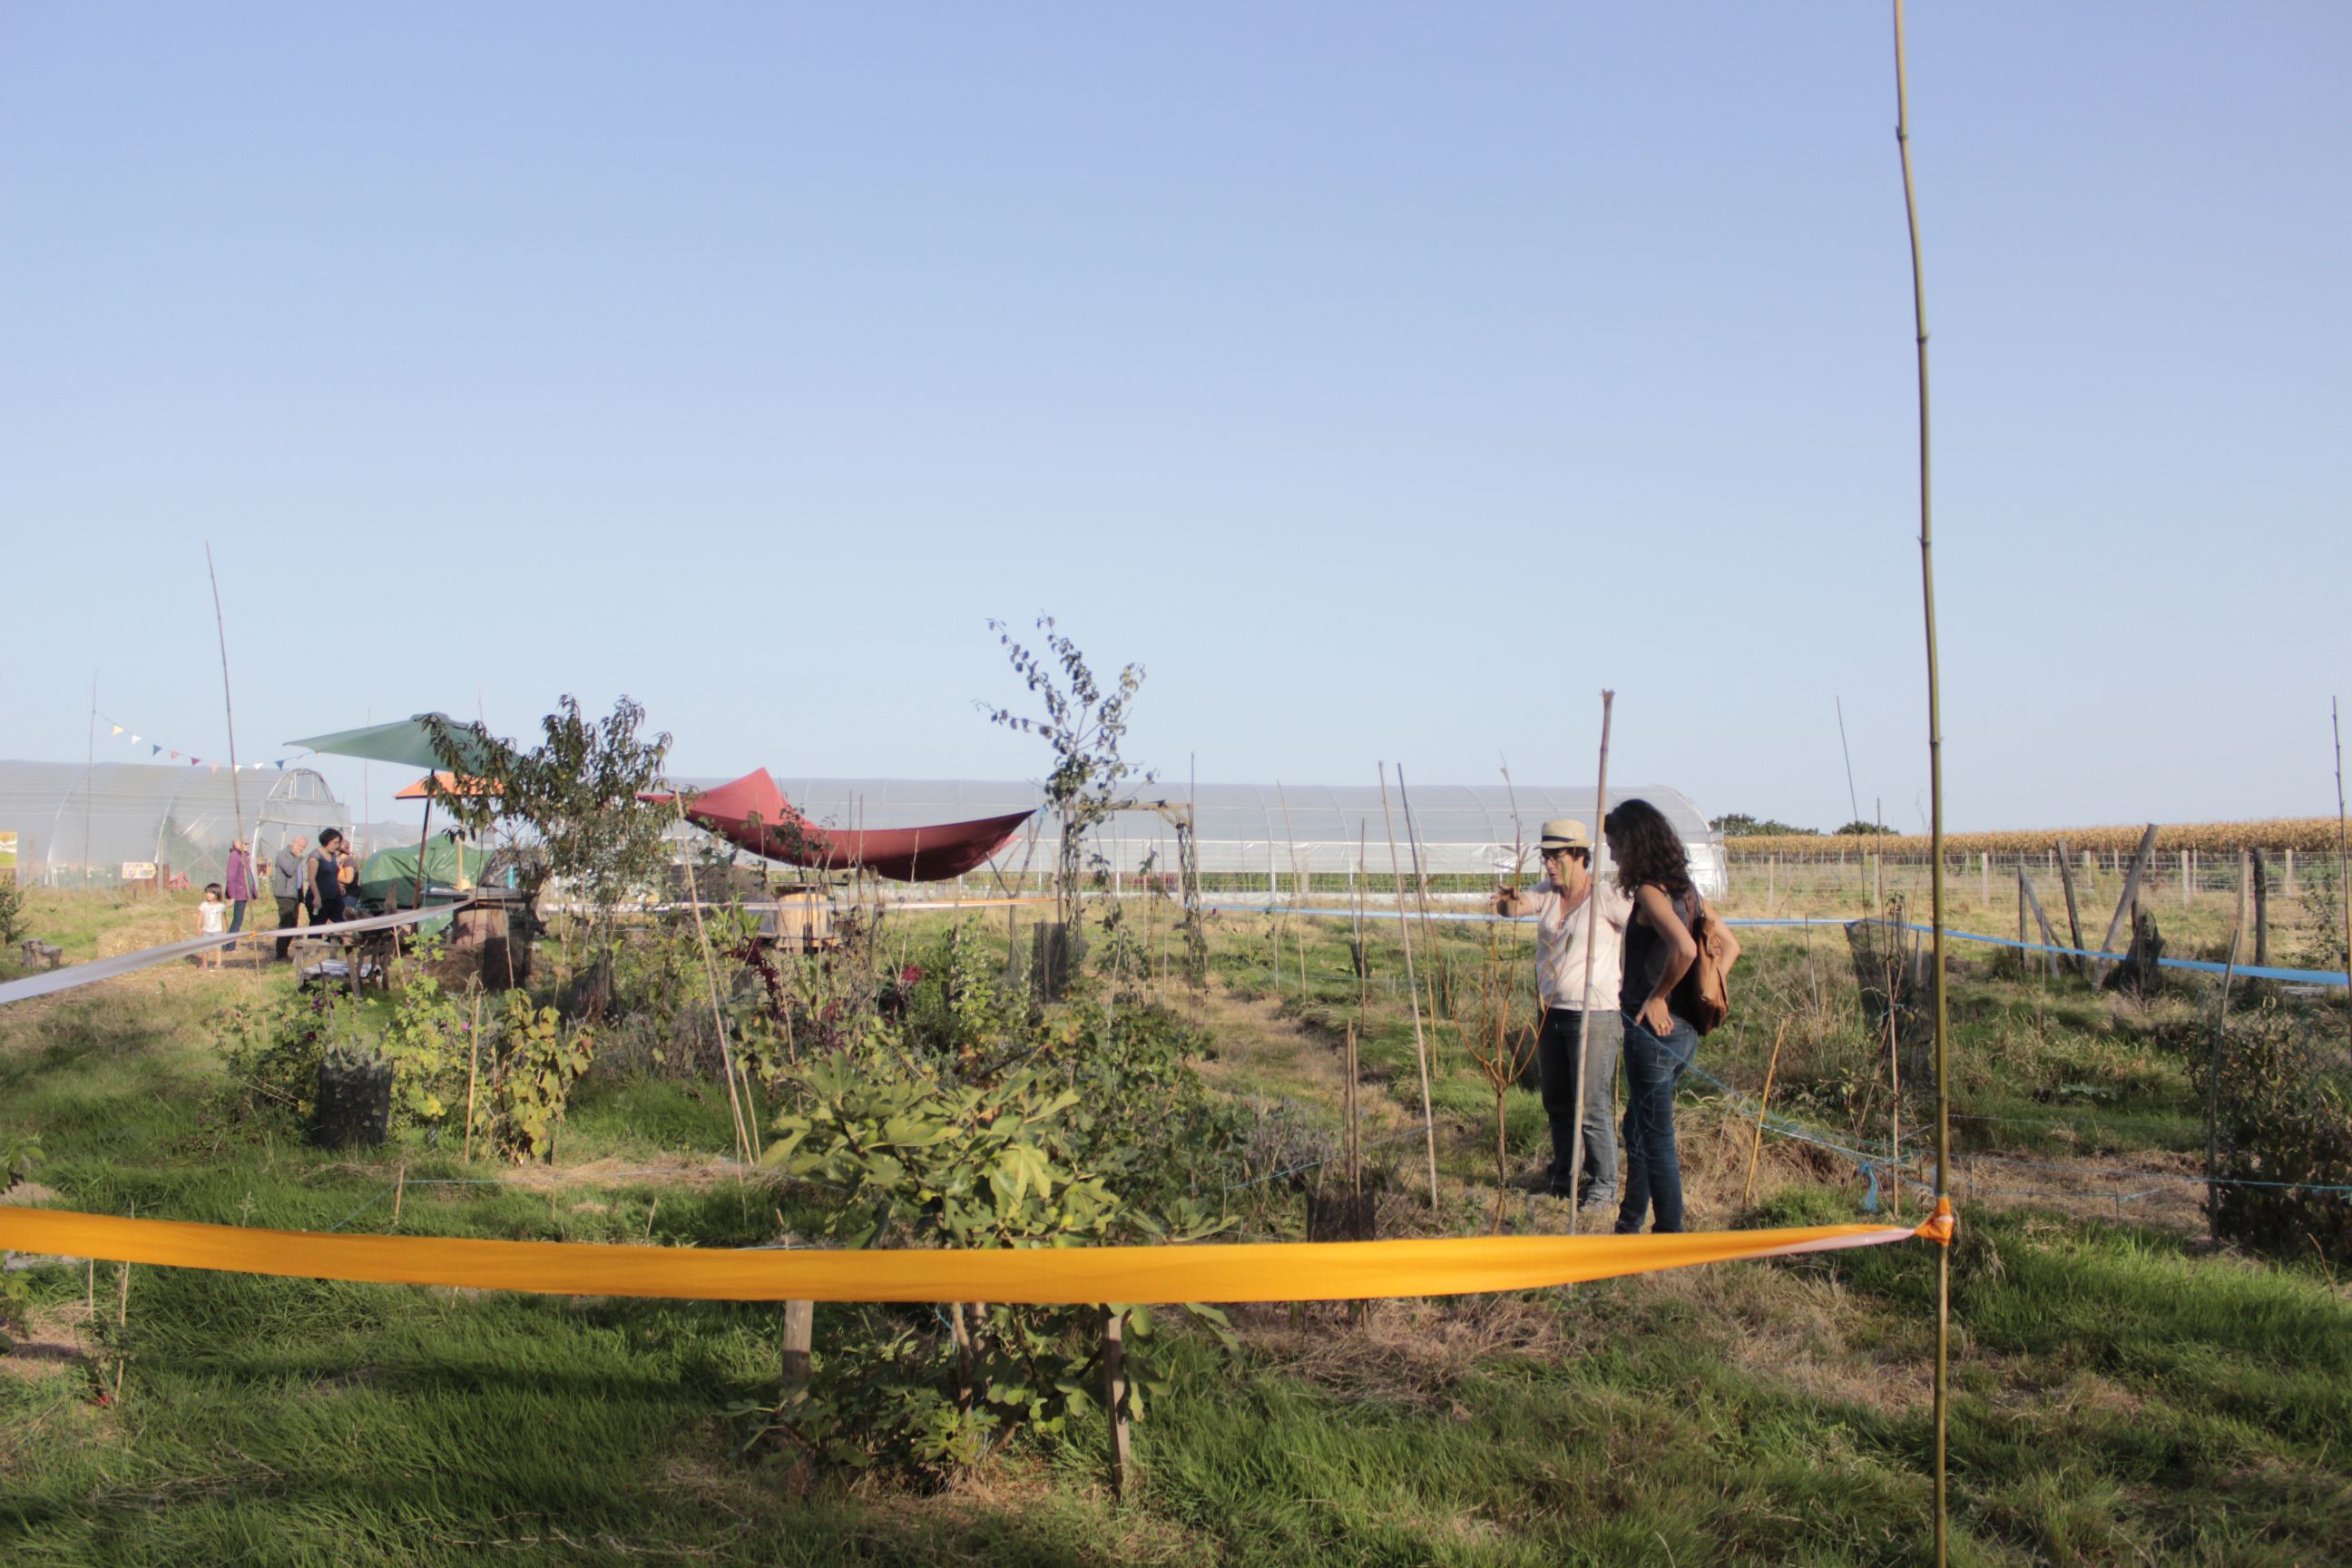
x=391 y=874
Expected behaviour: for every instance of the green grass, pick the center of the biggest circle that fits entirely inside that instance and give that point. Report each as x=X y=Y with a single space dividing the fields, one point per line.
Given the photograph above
x=2121 y=1394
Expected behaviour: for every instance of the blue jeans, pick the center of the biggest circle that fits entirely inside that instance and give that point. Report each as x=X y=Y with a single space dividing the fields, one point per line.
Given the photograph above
x=1566 y=1097
x=1653 y=1167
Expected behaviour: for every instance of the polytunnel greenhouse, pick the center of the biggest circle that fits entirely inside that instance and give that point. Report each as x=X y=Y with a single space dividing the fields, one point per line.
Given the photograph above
x=80 y=826
x=1268 y=830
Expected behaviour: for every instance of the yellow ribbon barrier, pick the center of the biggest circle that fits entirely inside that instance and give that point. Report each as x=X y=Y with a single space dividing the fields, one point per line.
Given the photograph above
x=1293 y=1271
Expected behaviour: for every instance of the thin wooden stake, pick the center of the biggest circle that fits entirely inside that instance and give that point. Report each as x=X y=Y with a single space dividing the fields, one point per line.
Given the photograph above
x=1584 y=996
x=2041 y=920
x=2080 y=965
x=228 y=707
x=800 y=1328
x=1412 y=993
x=2343 y=866
x=1114 y=1359
x=1756 y=1145
x=473 y=1070
x=122 y=1326
x=710 y=977
x=2214 y=1091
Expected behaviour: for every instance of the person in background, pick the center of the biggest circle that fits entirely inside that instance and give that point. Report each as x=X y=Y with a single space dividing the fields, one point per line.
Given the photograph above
x=326 y=869
x=349 y=866
x=1654 y=869
x=212 y=919
x=239 y=889
x=1576 y=1049
x=287 y=872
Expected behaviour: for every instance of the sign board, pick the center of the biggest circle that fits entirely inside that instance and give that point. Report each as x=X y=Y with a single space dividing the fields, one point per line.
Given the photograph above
x=139 y=870
x=7 y=855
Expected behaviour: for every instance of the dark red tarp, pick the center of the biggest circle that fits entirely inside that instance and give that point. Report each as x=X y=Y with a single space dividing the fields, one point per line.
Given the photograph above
x=753 y=812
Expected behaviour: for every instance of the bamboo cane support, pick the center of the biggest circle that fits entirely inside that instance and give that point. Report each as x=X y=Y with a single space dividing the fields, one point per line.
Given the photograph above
x=1584 y=996
x=1935 y=792
x=1419 y=1044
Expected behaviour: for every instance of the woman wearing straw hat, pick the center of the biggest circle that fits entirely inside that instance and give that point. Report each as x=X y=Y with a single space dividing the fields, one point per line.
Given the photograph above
x=1576 y=1050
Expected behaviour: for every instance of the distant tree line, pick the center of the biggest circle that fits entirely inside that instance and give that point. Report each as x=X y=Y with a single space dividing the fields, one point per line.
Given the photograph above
x=1740 y=824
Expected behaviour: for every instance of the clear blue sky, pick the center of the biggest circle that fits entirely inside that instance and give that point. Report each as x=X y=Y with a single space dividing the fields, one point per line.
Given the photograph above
x=1388 y=379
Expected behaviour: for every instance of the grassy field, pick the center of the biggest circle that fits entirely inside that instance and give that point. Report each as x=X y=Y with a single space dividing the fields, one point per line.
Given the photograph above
x=2123 y=1391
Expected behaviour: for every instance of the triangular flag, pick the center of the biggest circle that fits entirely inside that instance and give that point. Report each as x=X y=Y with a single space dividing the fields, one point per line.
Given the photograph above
x=175 y=756
x=153 y=749
x=134 y=739
x=118 y=728
x=196 y=762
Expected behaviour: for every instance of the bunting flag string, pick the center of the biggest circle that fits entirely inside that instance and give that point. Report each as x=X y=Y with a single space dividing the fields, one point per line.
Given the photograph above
x=129 y=737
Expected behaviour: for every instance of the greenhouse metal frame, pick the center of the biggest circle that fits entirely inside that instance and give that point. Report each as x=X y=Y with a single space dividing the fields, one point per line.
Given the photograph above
x=1262 y=830
x=78 y=824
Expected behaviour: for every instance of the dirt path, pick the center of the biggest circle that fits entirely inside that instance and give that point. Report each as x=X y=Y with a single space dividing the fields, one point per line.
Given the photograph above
x=1259 y=1050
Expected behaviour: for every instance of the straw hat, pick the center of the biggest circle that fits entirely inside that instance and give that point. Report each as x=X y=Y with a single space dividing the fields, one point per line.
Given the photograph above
x=1566 y=833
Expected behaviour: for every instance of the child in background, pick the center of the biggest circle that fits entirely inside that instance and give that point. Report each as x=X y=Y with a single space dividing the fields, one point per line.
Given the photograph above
x=212 y=919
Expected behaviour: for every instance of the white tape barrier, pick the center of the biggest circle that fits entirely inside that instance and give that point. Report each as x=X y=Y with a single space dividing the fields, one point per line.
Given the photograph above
x=55 y=980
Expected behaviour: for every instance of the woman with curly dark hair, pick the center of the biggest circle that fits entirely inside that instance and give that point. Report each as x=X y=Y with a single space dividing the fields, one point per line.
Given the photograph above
x=1654 y=869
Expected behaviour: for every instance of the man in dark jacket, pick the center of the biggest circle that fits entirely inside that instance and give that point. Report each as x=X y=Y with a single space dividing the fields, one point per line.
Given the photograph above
x=285 y=878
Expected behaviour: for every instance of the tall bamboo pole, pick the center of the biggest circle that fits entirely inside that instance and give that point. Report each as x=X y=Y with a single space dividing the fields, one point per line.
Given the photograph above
x=711 y=978
x=1852 y=800
x=2213 y=1085
x=228 y=707
x=1404 y=930
x=2342 y=879
x=1585 y=999
x=89 y=777
x=1935 y=795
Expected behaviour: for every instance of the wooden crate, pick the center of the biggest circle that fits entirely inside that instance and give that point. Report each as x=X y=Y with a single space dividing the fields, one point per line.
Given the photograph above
x=801 y=921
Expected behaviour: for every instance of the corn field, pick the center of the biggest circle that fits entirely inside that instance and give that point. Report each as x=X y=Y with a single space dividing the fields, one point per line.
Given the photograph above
x=2304 y=835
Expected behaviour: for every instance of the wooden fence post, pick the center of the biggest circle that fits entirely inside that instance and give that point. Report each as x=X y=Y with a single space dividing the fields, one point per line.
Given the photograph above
x=2185 y=883
x=2139 y=864
x=1114 y=1360
x=2027 y=896
x=2261 y=912
x=799 y=1324
x=2073 y=919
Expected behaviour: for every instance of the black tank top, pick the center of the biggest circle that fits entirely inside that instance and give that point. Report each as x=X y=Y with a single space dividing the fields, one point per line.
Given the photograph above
x=1645 y=956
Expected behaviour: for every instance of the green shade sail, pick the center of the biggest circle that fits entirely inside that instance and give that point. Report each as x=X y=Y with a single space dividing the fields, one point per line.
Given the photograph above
x=401 y=741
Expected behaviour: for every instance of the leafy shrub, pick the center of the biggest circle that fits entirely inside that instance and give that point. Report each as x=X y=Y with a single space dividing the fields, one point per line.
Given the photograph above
x=2323 y=914
x=969 y=1120
x=529 y=1061
x=12 y=912
x=533 y=1069
x=275 y=1051
x=2284 y=1111
x=426 y=1039
x=19 y=1152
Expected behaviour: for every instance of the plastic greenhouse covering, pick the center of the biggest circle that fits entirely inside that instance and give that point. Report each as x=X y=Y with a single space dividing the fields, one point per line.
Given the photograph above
x=1256 y=829
x=78 y=825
